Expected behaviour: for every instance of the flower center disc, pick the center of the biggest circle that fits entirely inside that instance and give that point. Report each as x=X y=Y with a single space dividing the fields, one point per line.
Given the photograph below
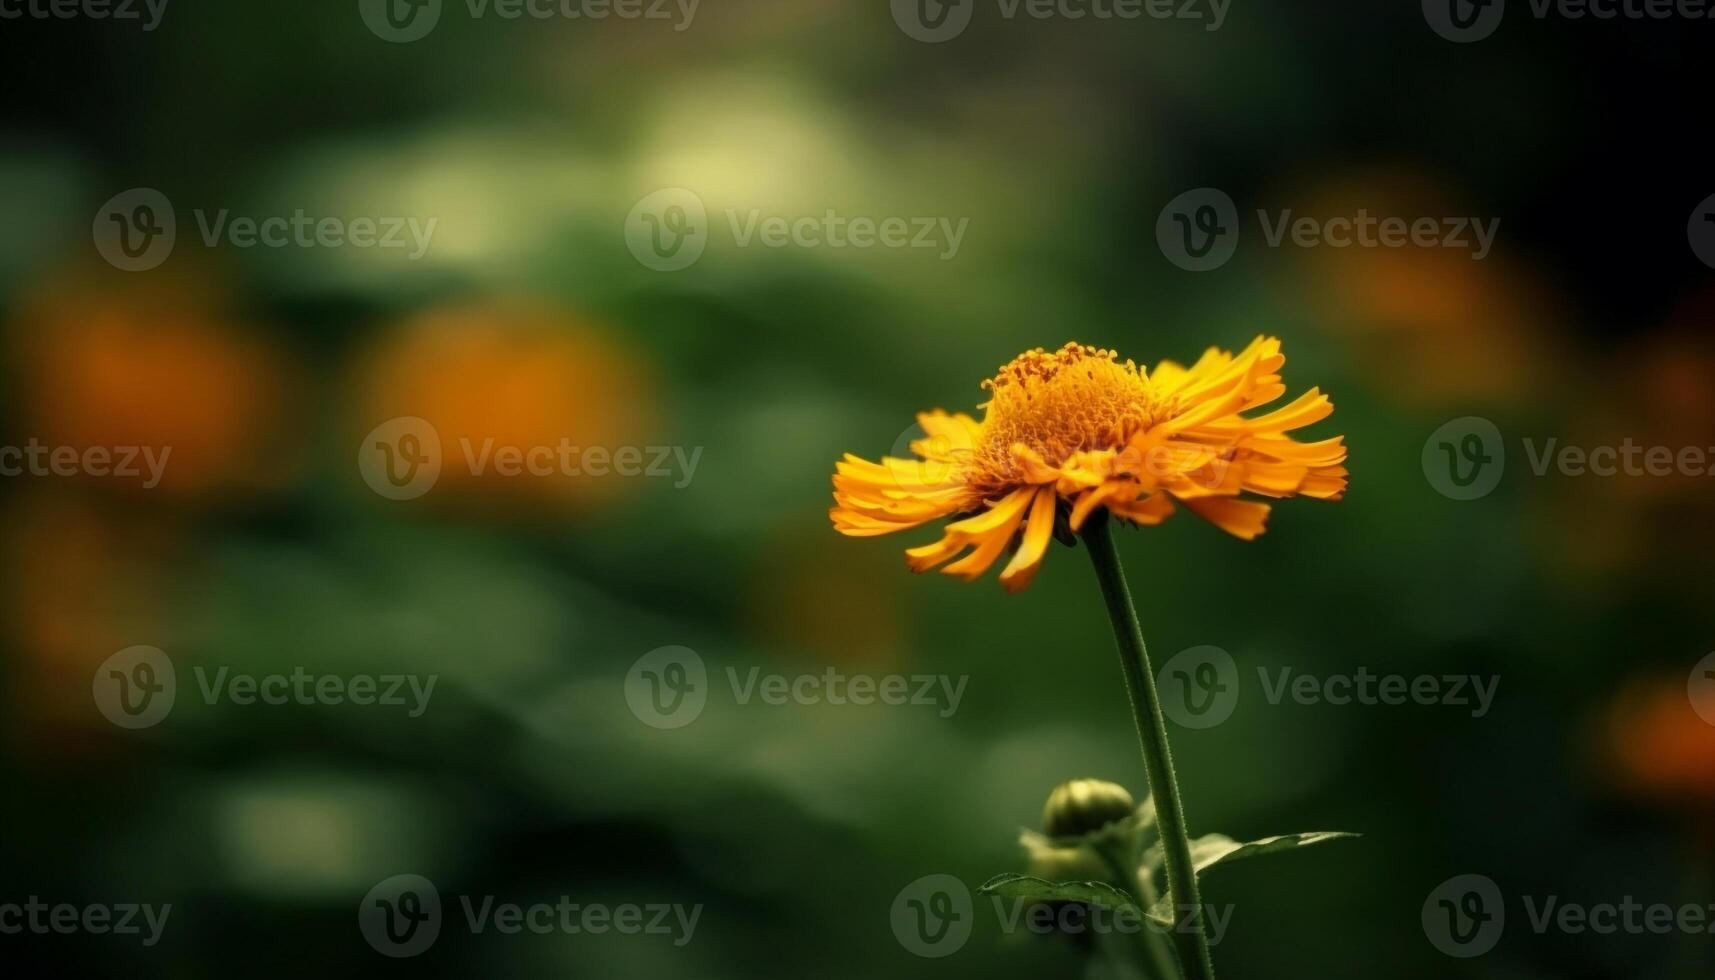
x=1077 y=398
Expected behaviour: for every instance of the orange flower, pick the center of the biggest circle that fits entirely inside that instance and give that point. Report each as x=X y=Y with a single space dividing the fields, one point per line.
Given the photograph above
x=1069 y=432
x=156 y=365
x=1657 y=745
x=82 y=581
x=511 y=374
x=1432 y=325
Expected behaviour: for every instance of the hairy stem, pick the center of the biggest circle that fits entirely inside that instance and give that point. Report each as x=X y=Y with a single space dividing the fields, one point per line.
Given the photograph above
x=1189 y=931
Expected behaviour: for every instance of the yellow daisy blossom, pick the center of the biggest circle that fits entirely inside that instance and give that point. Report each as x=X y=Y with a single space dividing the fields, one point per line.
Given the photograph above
x=1068 y=432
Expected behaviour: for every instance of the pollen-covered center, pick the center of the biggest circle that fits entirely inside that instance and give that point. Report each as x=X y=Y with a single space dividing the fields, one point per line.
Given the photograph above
x=1077 y=398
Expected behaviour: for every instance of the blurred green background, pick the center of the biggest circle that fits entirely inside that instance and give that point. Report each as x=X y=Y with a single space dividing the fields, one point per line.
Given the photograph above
x=527 y=320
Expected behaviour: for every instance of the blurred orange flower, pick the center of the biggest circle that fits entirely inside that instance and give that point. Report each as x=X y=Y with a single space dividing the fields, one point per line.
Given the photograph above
x=83 y=582
x=1653 y=394
x=512 y=376
x=1435 y=325
x=153 y=363
x=1656 y=744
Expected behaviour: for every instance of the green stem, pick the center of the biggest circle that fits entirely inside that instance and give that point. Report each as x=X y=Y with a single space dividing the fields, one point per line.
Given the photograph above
x=1123 y=870
x=1188 y=932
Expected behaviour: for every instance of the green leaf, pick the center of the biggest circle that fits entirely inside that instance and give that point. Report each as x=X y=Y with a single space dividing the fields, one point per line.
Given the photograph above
x=1030 y=888
x=1213 y=849
x=1033 y=889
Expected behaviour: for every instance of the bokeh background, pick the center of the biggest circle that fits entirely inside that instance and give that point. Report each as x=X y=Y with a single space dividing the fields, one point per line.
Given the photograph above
x=529 y=320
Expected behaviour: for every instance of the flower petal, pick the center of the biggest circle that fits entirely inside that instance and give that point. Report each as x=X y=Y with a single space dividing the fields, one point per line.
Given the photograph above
x=988 y=532
x=1240 y=518
x=1017 y=574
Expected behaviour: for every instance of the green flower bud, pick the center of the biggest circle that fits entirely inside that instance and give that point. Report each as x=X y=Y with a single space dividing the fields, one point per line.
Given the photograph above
x=1084 y=806
x=1076 y=862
